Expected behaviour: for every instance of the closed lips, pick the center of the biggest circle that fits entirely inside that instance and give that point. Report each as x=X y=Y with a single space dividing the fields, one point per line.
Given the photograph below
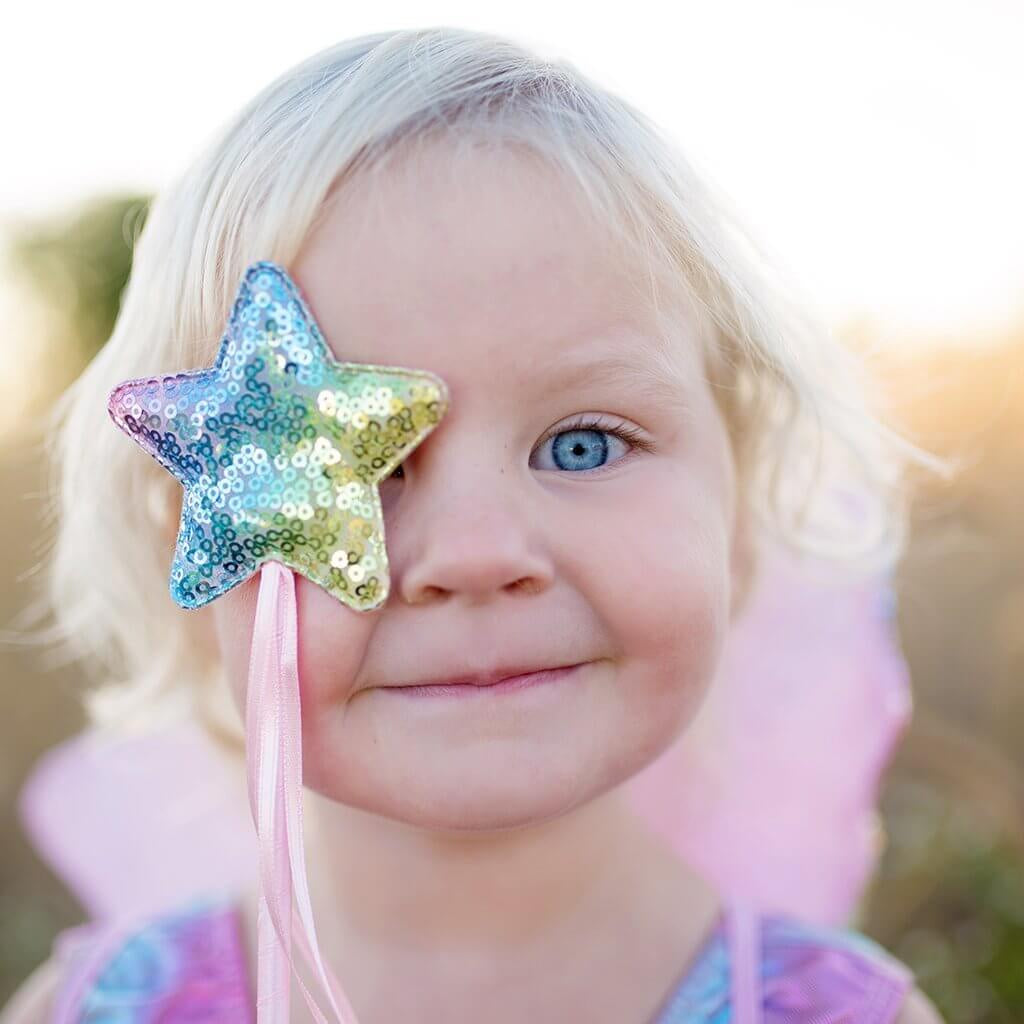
x=487 y=678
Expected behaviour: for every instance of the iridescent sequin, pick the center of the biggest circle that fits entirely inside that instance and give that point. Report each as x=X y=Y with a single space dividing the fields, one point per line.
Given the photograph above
x=280 y=449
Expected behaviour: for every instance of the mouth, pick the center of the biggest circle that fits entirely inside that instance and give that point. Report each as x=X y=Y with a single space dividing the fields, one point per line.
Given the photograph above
x=492 y=684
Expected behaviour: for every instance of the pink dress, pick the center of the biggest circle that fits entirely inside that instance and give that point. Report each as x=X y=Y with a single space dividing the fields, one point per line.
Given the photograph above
x=189 y=965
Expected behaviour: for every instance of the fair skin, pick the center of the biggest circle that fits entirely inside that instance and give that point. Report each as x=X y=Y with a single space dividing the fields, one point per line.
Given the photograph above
x=471 y=844
x=475 y=858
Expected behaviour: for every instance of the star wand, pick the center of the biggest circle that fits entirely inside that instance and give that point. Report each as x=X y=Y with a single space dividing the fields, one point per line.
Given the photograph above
x=280 y=449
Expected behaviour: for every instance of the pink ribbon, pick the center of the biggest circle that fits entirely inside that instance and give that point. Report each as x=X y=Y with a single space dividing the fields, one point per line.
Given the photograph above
x=274 y=761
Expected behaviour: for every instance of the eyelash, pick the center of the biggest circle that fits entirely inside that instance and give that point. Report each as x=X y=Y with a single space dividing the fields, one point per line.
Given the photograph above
x=633 y=437
x=621 y=430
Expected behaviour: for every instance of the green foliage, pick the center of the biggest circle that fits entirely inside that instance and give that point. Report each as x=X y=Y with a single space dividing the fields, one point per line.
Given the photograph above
x=79 y=266
x=948 y=900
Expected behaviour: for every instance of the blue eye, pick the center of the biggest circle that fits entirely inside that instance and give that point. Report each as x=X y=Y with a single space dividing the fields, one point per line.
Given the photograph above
x=587 y=445
x=580 y=449
x=583 y=446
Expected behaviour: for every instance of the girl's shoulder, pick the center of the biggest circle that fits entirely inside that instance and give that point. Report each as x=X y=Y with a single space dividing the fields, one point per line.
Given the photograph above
x=33 y=1001
x=186 y=963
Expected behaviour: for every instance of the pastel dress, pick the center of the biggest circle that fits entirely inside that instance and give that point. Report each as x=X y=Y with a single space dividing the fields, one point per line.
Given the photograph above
x=188 y=966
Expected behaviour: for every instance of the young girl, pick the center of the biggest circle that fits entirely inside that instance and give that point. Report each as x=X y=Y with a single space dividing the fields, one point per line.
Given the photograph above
x=629 y=408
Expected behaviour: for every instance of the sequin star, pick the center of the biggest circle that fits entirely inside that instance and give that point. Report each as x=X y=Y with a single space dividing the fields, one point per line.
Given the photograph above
x=280 y=449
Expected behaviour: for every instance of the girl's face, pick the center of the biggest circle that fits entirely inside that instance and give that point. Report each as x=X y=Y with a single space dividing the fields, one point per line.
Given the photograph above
x=525 y=531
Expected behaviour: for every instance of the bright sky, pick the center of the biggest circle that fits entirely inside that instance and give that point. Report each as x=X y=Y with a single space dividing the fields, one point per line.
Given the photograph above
x=874 y=145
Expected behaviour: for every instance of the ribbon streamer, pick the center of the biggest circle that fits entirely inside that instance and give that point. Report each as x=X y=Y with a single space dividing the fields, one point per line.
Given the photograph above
x=274 y=757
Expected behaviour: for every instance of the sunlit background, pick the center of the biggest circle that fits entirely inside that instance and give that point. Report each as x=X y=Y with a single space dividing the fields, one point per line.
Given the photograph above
x=875 y=149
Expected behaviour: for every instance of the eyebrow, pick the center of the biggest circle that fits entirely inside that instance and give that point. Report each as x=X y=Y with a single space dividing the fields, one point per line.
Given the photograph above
x=653 y=378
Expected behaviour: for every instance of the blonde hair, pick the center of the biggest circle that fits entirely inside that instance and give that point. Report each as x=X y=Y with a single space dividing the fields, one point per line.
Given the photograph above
x=799 y=406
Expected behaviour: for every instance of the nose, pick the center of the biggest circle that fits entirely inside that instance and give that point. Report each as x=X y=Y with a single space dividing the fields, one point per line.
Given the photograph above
x=463 y=532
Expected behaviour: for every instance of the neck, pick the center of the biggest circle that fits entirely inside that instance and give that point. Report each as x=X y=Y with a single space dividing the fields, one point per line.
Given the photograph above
x=440 y=909
x=401 y=885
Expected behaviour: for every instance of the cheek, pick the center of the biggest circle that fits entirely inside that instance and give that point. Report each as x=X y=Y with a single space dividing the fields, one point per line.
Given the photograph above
x=664 y=597
x=332 y=643
x=680 y=610
x=675 y=633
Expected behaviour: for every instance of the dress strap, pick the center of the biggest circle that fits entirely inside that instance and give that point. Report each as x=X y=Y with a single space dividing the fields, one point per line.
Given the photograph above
x=744 y=936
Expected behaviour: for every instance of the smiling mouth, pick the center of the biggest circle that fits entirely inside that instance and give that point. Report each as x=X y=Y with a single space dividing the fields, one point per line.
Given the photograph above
x=473 y=688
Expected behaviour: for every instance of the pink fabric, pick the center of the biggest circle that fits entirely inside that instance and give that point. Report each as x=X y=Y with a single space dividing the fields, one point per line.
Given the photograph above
x=139 y=823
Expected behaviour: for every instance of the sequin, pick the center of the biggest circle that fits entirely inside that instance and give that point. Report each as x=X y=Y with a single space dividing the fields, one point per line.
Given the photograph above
x=280 y=449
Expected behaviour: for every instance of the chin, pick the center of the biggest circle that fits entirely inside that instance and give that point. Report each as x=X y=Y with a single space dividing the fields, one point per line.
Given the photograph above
x=494 y=797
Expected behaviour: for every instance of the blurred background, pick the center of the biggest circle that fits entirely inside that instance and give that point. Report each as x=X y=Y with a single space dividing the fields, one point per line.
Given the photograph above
x=875 y=149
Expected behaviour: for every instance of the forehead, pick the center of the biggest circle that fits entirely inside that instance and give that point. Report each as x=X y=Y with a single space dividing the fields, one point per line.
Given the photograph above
x=487 y=265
